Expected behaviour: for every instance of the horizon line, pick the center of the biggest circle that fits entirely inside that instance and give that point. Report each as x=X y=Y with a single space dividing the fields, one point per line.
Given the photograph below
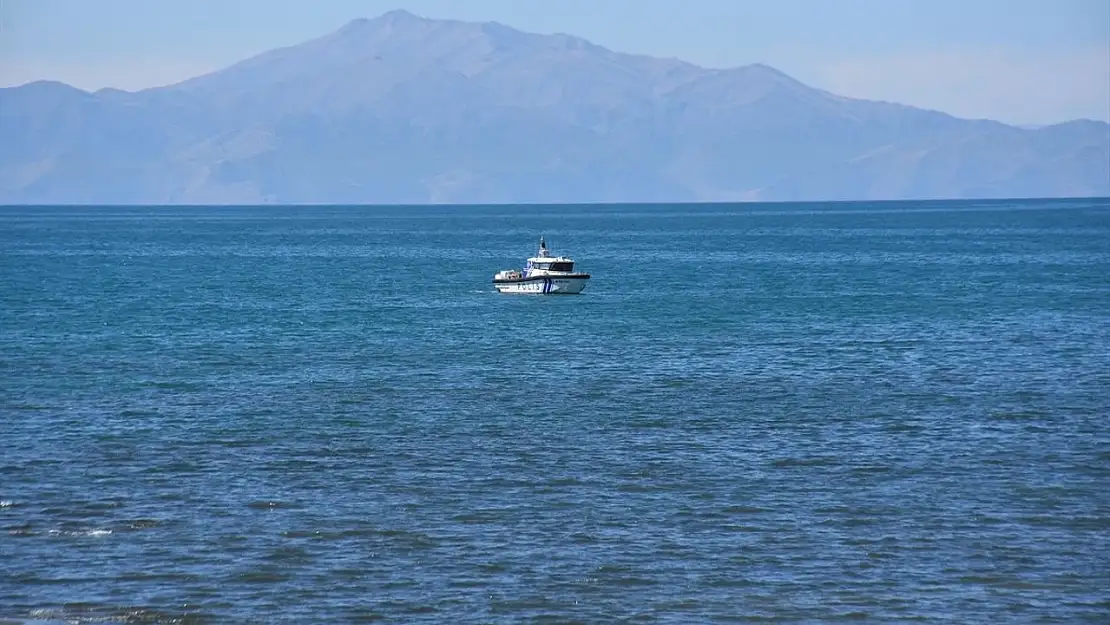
x=705 y=203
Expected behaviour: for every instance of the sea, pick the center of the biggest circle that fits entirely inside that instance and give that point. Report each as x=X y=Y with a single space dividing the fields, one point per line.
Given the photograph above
x=811 y=412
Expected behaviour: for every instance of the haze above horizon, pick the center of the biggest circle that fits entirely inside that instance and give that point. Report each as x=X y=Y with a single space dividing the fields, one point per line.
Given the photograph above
x=1016 y=61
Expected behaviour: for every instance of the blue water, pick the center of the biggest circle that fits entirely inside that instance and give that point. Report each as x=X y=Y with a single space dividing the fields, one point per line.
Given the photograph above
x=803 y=412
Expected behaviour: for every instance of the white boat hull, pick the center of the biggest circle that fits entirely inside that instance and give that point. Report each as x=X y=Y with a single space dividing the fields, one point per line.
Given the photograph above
x=548 y=285
x=543 y=275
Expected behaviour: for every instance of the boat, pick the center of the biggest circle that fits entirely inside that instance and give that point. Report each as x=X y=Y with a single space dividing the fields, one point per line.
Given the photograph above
x=543 y=274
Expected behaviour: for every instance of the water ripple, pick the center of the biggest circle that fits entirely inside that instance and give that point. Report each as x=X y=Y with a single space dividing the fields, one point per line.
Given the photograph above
x=797 y=413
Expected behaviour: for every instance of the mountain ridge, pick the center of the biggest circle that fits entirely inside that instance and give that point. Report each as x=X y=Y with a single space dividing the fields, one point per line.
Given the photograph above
x=412 y=110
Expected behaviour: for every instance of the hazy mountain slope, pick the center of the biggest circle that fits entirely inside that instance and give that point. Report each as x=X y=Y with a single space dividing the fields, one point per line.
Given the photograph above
x=401 y=109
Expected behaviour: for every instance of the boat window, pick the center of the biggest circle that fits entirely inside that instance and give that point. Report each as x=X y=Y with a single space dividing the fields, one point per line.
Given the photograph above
x=562 y=266
x=542 y=265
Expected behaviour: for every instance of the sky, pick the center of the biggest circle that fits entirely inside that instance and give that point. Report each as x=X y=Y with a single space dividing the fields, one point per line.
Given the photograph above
x=1018 y=61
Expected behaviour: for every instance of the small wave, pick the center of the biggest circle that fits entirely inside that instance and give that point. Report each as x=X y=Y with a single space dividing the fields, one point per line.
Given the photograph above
x=20 y=530
x=91 y=532
x=741 y=509
x=81 y=613
x=142 y=524
x=806 y=461
x=272 y=504
x=268 y=576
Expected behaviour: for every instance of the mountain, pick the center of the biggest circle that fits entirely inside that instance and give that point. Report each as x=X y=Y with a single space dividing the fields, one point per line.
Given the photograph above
x=403 y=109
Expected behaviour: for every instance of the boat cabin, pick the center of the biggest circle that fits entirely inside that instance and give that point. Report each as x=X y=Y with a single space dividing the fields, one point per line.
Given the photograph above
x=544 y=262
x=550 y=264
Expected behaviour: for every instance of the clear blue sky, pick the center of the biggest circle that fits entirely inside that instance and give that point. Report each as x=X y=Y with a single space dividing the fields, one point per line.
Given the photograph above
x=1020 y=61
